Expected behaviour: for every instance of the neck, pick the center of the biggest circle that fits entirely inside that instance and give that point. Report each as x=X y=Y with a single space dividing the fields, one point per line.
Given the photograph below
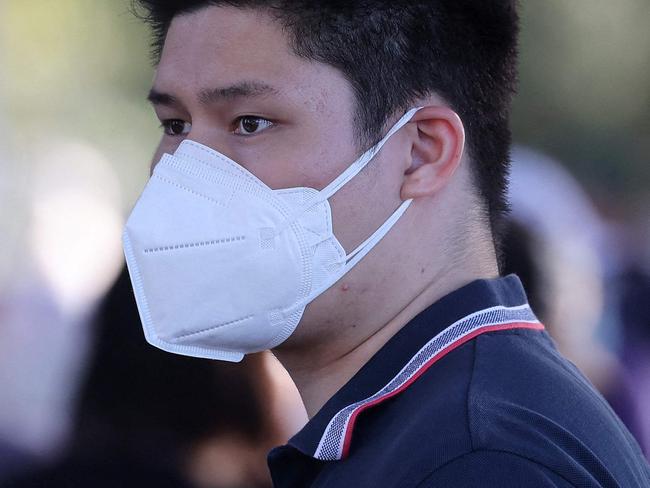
x=320 y=373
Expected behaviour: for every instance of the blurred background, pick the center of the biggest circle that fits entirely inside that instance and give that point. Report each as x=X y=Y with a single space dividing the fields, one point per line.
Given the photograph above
x=76 y=138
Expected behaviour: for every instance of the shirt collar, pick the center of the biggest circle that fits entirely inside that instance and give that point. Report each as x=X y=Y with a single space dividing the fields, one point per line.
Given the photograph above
x=478 y=307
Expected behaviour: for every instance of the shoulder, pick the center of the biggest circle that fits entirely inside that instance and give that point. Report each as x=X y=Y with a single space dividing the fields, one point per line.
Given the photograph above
x=527 y=400
x=470 y=397
x=521 y=385
x=512 y=399
x=493 y=469
x=465 y=402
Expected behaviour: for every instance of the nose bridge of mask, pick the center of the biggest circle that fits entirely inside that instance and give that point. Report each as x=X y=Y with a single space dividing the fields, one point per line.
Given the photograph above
x=213 y=161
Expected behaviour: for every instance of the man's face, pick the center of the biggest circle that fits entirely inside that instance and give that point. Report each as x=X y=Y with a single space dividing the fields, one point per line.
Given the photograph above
x=221 y=64
x=228 y=79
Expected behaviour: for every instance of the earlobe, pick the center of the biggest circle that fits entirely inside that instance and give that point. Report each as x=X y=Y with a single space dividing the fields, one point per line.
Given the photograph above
x=436 y=152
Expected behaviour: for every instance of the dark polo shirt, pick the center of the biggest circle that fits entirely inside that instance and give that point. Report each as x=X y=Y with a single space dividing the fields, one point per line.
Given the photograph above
x=471 y=393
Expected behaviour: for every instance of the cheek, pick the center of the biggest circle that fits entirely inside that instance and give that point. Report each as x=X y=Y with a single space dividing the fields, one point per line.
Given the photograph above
x=306 y=156
x=365 y=203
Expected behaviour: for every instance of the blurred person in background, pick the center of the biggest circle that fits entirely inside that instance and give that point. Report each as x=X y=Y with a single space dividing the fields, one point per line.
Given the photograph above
x=634 y=307
x=557 y=243
x=146 y=418
x=421 y=366
x=624 y=377
x=568 y=238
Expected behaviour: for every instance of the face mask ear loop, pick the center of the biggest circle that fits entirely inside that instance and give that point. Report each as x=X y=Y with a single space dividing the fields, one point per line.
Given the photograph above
x=355 y=256
x=366 y=246
x=371 y=241
x=364 y=159
x=351 y=171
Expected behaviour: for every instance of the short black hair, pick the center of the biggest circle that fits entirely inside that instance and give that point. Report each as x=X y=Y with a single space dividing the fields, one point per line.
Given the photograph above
x=394 y=52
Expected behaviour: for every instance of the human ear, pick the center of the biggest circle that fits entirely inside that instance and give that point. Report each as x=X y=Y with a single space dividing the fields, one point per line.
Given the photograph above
x=436 y=152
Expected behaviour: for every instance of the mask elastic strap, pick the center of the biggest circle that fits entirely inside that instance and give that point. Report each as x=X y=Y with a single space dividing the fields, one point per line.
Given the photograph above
x=366 y=246
x=355 y=256
x=351 y=170
x=364 y=159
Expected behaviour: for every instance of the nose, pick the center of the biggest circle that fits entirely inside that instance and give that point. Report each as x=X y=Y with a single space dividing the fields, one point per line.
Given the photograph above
x=203 y=134
x=154 y=161
x=213 y=137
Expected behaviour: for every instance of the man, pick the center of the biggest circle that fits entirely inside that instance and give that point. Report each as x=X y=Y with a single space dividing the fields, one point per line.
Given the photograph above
x=329 y=185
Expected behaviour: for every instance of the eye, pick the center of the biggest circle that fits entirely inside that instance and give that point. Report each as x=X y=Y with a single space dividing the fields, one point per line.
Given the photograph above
x=249 y=125
x=176 y=127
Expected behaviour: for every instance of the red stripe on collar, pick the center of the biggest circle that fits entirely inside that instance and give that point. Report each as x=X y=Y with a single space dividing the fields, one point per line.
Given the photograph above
x=348 y=435
x=336 y=438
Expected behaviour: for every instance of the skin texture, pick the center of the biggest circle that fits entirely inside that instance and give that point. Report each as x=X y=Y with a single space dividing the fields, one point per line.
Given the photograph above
x=440 y=244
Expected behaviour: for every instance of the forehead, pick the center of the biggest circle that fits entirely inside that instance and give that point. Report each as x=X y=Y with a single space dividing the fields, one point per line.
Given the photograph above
x=224 y=45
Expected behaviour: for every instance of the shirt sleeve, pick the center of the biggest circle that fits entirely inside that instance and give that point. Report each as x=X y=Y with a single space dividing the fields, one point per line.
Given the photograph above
x=493 y=469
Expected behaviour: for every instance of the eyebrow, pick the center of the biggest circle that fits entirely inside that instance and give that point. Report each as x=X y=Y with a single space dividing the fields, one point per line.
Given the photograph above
x=157 y=98
x=242 y=89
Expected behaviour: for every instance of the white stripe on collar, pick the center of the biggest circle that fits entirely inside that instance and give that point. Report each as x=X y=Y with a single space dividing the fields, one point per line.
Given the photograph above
x=335 y=441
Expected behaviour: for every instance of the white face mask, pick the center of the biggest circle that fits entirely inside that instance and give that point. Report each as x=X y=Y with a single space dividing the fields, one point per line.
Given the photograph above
x=221 y=264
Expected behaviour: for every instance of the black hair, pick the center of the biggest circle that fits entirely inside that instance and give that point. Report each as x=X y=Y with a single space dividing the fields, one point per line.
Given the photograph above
x=394 y=52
